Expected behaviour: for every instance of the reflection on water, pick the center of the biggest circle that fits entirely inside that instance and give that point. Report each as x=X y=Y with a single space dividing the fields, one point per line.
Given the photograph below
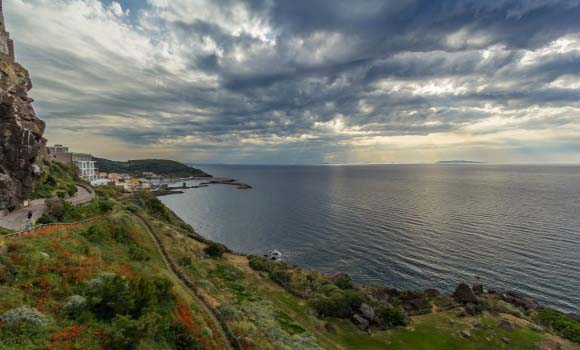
x=406 y=226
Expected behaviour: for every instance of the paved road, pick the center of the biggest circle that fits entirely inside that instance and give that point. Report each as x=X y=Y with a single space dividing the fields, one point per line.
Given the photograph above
x=18 y=219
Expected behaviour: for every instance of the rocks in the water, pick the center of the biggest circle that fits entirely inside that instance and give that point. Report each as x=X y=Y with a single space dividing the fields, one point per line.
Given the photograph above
x=506 y=325
x=21 y=139
x=463 y=294
x=477 y=288
x=329 y=327
x=550 y=345
x=465 y=334
x=520 y=301
x=361 y=322
x=432 y=293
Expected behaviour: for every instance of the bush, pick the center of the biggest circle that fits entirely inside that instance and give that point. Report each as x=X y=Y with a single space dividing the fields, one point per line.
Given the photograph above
x=561 y=323
x=24 y=314
x=391 y=317
x=342 y=281
x=108 y=296
x=74 y=305
x=96 y=233
x=138 y=254
x=111 y=295
x=282 y=277
x=215 y=250
x=258 y=263
x=106 y=205
x=182 y=338
x=332 y=301
x=185 y=261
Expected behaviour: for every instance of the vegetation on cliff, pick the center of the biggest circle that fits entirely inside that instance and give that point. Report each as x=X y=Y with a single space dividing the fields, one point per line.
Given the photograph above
x=103 y=284
x=57 y=181
x=163 y=167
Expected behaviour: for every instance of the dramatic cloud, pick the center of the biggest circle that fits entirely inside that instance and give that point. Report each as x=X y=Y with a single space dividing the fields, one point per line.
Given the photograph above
x=306 y=81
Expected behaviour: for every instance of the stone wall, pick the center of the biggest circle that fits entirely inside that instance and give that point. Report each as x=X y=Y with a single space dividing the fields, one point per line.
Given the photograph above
x=21 y=137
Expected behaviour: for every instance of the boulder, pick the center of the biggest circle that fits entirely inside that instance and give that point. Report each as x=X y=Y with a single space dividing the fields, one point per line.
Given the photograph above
x=472 y=309
x=368 y=312
x=361 y=322
x=520 y=301
x=432 y=293
x=463 y=294
x=477 y=288
x=506 y=325
x=465 y=334
x=329 y=327
x=550 y=345
x=419 y=306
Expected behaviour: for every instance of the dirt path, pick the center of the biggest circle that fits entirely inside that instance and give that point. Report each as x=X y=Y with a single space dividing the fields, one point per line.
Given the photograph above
x=229 y=340
x=18 y=219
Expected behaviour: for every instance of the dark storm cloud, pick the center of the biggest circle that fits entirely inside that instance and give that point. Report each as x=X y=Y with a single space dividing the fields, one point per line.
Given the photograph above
x=315 y=75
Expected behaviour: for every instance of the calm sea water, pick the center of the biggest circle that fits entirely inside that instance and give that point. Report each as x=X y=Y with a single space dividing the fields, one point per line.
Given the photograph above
x=406 y=226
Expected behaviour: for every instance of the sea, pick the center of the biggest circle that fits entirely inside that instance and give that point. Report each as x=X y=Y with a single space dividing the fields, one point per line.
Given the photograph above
x=509 y=227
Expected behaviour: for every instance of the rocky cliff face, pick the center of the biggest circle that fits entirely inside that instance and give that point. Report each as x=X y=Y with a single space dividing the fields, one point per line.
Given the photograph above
x=21 y=140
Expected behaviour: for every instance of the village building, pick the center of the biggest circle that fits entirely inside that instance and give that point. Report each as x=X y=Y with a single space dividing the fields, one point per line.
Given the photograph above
x=83 y=161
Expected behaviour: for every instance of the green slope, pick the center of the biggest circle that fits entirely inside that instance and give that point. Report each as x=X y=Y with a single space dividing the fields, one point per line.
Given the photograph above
x=163 y=167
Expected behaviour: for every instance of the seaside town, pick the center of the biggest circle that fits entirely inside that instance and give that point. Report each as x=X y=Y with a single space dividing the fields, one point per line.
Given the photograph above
x=88 y=171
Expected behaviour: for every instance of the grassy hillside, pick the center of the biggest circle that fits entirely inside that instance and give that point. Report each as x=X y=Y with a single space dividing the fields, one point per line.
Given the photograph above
x=163 y=167
x=57 y=181
x=104 y=284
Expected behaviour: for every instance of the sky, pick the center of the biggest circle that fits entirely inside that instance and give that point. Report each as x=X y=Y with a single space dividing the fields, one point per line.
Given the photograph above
x=305 y=81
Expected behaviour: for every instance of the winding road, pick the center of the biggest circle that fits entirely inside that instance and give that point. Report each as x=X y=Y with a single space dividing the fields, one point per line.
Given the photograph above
x=18 y=219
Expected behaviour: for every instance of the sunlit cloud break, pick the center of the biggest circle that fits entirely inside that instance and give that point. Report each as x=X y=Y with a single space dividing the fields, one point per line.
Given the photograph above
x=263 y=81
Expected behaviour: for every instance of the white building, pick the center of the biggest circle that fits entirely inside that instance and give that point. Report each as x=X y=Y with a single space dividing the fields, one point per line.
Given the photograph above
x=86 y=166
x=83 y=161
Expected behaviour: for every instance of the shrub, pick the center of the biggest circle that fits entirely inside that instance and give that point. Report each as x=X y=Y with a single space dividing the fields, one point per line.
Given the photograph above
x=182 y=338
x=282 y=277
x=74 y=305
x=258 y=263
x=138 y=254
x=185 y=261
x=332 y=301
x=106 y=205
x=391 y=317
x=343 y=281
x=24 y=314
x=215 y=250
x=108 y=296
x=561 y=323
x=96 y=233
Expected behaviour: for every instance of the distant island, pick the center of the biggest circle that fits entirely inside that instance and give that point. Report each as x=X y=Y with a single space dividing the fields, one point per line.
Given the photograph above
x=162 y=167
x=459 y=162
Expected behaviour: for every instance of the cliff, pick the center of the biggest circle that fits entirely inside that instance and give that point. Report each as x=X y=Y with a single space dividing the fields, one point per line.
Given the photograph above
x=21 y=139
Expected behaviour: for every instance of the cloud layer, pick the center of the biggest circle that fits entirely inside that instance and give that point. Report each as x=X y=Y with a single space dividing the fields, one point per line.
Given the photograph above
x=267 y=81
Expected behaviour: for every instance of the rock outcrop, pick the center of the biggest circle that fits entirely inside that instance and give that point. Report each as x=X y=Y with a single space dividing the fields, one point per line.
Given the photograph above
x=21 y=139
